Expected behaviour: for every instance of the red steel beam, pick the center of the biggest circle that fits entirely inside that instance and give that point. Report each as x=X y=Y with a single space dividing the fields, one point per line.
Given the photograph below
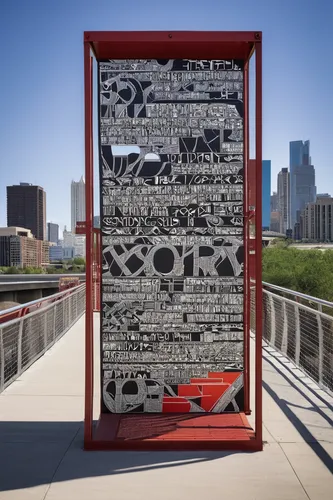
x=181 y=36
x=171 y=44
x=246 y=246
x=88 y=406
x=258 y=257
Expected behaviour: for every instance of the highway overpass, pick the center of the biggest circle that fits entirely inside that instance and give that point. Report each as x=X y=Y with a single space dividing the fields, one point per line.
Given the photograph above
x=22 y=288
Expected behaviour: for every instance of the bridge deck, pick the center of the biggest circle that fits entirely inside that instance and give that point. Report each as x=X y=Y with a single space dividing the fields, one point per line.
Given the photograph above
x=41 y=438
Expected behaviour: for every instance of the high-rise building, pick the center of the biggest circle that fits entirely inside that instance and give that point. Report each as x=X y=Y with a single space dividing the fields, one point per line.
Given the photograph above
x=80 y=246
x=56 y=253
x=283 y=200
x=302 y=179
x=20 y=249
x=97 y=222
x=302 y=190
x=275 y=222
x=266 y=193
x=77 y=243
x=78 y=204
x=299 y=153
x=68 y=238
x=52 y=232
x=26 y=207
x=274 y=202
x=317 y=220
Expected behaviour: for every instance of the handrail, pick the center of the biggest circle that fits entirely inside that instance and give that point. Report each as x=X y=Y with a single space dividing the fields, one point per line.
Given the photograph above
x=40 y=310
x=301 y=330
x=28 y=305
x=310 y=298
x=300 y=306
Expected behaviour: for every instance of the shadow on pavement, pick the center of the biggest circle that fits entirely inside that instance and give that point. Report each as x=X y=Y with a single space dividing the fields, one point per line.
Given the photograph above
x=308 y=437
x=38 y=453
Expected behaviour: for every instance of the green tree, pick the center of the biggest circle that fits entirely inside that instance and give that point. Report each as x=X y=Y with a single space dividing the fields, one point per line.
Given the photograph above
x=79 y=261
x=306 y=271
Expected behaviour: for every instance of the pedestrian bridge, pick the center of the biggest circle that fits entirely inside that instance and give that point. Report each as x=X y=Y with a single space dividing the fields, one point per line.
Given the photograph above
x=42 y=405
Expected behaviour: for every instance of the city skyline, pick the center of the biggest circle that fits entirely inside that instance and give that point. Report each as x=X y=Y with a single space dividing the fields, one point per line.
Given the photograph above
x=49 y=145
x=299 y=151
x=297 y=209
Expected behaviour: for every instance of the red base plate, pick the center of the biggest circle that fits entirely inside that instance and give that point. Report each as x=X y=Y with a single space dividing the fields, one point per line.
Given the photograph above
x=174 y=431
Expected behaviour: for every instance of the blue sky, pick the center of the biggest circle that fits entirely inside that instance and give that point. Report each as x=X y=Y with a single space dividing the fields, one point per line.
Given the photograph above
x=41 y=92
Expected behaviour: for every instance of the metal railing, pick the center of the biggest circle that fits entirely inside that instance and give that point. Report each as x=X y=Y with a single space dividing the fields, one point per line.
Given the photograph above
x=23 y=340
x=301 y=327
x=29 y=307
x=308 y=300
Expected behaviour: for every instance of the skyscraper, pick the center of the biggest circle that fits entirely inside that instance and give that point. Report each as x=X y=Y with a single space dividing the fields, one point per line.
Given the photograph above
x=266 y=193
x=317 y=221
x=78 y=203
x=26 y=207
x=52 y=232
x=302 y=179
x=274 y=202
x=97 y=221
x=299 y=153
x=283 y=200
x=302 y=190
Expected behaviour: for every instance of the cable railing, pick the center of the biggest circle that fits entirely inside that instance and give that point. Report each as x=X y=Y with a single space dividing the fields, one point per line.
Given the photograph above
x=301 y=327
x=24 y=339
x=23 y=309
x=313 y=302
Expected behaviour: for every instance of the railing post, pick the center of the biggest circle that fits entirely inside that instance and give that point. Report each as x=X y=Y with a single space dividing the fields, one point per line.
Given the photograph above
x=297 y=336
x=54 y=322
x=320 y=350
x=2 y=362
x=68 y=311
x=63 y=313
x=273 y=325
x=45 y=331
x=19 y=347
x=284 y=343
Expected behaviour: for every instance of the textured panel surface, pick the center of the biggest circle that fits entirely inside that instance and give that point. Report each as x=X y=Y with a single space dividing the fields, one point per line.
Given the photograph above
x=171 y=166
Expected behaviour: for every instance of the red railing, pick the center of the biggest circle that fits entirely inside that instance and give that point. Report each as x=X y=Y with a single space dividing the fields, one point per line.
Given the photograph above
x=29 y=307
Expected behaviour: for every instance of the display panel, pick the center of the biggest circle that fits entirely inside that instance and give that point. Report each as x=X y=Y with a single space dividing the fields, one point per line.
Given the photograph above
x=171 y=166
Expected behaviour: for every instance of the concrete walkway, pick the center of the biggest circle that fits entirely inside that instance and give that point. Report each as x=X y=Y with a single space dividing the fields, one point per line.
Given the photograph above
x=41 y=437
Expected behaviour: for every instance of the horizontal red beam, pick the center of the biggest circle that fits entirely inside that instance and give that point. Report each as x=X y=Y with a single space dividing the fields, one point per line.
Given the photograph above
x=172 y=36
x=172 y=44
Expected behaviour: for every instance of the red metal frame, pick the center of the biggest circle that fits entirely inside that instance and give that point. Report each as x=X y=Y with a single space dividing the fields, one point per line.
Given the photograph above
x=173 y=45
x=246 y=246
x=258 y=239
x=252 y=218
x=89 y=346
x=97 y=270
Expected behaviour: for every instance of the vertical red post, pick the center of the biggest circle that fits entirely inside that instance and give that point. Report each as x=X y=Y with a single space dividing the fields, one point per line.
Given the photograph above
x=99 y=269
x=94 y=271
x=88 y=405
x=246 y=310
x=258 y=289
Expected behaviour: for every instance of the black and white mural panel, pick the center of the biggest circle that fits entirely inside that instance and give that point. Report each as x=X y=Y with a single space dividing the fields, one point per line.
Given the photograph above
x=171 y=167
